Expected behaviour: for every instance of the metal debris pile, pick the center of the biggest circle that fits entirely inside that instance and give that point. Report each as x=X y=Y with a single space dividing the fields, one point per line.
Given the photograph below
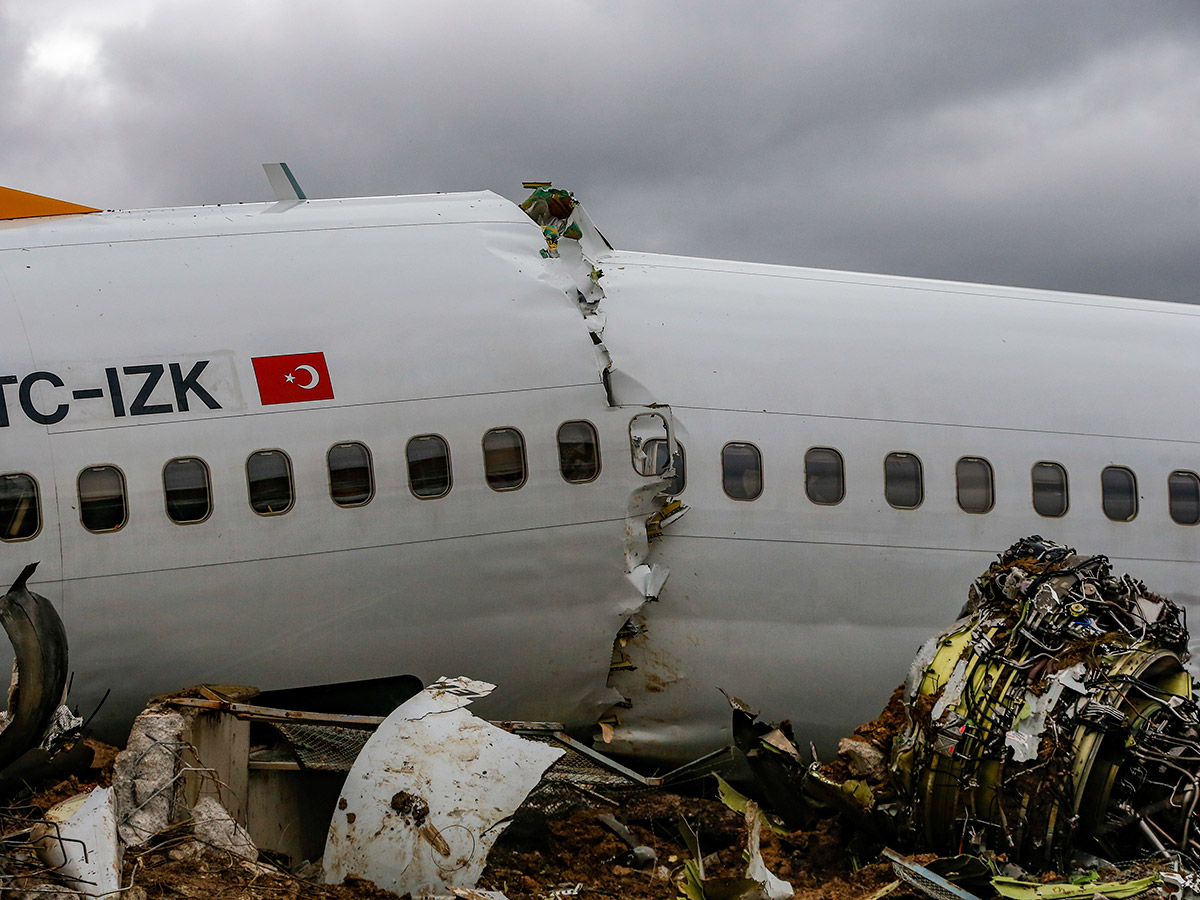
x=1056 y=715
x=1052 y=728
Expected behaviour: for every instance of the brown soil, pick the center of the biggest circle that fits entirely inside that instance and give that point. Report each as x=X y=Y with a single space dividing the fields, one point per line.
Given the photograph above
x=221 y=876
x=99 y=774
x=533 y=857
x=880 y=732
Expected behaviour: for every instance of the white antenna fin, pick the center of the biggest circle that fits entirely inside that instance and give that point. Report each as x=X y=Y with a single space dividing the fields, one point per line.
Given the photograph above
x=283 y=182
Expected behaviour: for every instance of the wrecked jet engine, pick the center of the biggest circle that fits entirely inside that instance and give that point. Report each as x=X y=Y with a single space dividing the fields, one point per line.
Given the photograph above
x=1056 y=713
x=1054 y=716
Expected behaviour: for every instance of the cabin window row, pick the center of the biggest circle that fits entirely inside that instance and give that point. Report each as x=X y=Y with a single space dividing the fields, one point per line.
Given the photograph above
x=904 y=482
x=904 y=486
x=188 y=493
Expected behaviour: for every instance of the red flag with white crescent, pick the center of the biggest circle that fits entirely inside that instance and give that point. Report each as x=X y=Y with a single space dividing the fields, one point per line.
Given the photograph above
x=293 y=378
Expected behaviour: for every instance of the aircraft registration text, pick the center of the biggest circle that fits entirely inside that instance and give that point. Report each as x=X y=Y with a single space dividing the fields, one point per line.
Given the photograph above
x=45 y=399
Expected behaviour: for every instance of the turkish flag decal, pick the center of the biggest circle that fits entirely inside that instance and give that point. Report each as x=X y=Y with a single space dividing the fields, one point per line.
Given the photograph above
x=293 y=378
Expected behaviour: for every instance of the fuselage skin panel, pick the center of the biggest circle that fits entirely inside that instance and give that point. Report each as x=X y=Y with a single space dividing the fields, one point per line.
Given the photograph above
x=440 y=315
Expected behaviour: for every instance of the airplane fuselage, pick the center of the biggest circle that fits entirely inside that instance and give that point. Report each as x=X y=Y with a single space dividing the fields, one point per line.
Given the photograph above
x=446 y=345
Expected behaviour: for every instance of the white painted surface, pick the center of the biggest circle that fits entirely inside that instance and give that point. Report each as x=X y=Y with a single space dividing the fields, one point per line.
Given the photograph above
x=82 y=846
x=429 y=793
x=437 y=314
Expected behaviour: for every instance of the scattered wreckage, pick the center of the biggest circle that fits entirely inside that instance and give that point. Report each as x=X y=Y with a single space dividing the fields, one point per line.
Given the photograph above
x=1049 y=729
x=1053 y=725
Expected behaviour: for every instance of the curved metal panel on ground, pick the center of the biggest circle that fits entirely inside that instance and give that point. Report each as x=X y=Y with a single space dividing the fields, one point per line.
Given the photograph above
x=40 y=644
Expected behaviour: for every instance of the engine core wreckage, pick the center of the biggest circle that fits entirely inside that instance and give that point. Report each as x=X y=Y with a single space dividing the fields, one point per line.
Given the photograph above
x=1055 y=716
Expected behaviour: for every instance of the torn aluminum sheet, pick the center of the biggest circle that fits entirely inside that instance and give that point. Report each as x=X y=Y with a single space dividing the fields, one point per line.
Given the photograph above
x=1025 y=736
x=771 y=887
x=1013 y=889
x=39 y=643
x=929 y=883
x=759 y=882
x=431 y=791
x=649 y=579
x=79 y=841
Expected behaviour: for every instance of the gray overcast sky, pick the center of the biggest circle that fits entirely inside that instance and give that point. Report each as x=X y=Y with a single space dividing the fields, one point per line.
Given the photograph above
x=1049 y=143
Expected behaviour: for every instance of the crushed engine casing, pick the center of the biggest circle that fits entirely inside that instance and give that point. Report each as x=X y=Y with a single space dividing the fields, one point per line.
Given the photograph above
x=1055 y=714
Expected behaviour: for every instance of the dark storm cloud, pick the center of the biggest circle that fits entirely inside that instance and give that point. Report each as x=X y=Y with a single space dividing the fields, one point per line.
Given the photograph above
x=1020 y=142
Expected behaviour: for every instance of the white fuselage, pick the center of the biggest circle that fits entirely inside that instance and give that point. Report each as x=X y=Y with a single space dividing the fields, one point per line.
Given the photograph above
x=438 y=315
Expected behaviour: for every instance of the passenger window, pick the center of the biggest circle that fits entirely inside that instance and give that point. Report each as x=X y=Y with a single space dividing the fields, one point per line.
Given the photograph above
x=658 y=453
x=1118 y=493
x=578 y=452
x=20 y=508
x=428 y=466
x=351 y=479
x=976 y=490
x=1183 y=489
x=1050 y=496
x=824 y=476
x=102 y=503
x=903 y=480
x=188 y=490
x=646 y=431
x=504 y=459
x=269 y=477
x=741 y=471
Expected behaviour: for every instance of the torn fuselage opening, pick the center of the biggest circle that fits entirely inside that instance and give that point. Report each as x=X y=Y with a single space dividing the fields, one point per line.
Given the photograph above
x=575 y=246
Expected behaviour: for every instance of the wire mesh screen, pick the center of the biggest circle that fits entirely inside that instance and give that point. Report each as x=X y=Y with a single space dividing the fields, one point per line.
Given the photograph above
x=574 y=780
x=327 y=748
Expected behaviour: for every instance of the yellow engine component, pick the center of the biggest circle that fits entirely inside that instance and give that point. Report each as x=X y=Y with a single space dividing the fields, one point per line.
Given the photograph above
x=1055 y=713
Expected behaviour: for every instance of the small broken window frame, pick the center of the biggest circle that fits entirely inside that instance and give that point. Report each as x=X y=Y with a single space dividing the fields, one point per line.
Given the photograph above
x=449 y=479
x=660 y=448
x=35 y=493
x=291 y=484
x=208 y=492
x=498 y=481
x=891 y=485
x=991 y=485
x=750 y=496
x=84 y=513
x=564 y=463
x=370 y=467
x=810 y=491
x=1049 y=465
x=1174 y=504
x=1120 y=495
x=644 y=431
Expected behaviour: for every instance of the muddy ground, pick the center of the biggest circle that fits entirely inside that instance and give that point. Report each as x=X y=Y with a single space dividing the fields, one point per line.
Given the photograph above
x=539 y=856
x=533 y=859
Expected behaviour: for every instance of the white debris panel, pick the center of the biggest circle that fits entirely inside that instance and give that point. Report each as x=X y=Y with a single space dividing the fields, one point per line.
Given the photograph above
x=78 y=841
x=430 y=793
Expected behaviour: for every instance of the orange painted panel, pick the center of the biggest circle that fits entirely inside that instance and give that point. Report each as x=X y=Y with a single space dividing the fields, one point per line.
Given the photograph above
x=20 y=205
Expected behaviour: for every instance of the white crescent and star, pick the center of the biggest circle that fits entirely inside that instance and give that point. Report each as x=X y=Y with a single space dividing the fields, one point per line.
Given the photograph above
x=313 y=374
